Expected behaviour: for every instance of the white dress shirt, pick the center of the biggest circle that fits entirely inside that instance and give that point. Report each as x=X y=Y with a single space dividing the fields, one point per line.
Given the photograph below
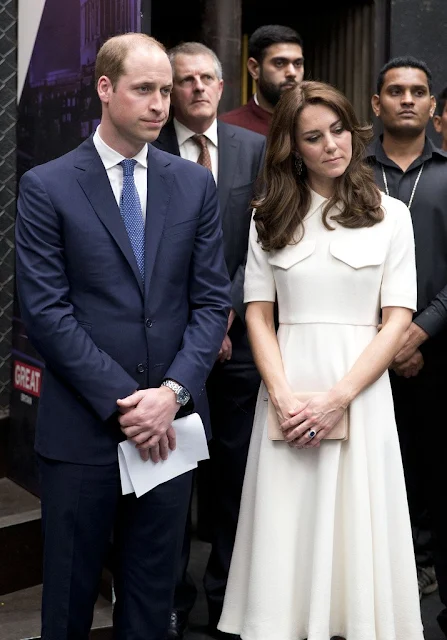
x=111 y=159
x=190 y=150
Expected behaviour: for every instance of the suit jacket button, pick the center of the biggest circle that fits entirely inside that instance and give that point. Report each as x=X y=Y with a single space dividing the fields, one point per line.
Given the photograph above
x=141 y=368
x=148 y=323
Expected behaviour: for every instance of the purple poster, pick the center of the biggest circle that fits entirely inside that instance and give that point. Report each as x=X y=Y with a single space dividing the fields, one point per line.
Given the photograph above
x=58 y=108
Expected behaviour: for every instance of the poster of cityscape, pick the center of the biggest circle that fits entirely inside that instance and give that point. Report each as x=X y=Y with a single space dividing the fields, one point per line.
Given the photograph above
x=57 y=110
x=58 y=107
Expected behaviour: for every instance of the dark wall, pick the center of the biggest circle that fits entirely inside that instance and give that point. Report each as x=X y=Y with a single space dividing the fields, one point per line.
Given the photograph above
x=176 y=21
x=419 y=29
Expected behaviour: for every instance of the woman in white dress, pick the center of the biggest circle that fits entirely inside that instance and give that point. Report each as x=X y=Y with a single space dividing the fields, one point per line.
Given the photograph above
x=324 y=546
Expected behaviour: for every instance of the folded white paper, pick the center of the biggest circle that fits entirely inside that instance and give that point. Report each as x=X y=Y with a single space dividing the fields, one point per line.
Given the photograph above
x=139 y=477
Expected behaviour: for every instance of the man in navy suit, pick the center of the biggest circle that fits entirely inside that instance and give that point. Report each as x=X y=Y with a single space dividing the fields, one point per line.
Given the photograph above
x=124 y=292
x=234 y=156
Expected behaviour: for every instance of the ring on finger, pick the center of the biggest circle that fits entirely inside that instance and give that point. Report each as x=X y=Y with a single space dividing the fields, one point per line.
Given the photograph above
x=311 y=433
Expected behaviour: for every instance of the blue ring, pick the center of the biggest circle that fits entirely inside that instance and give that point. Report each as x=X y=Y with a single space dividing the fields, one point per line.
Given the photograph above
x=312 y=433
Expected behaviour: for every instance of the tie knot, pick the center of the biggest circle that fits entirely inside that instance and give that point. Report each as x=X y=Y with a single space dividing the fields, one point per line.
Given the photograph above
x=128 y=167
x=200 y=139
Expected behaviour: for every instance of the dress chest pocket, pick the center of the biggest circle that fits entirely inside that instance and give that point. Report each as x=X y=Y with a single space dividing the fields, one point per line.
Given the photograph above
x=358 y=253
x=292 y=254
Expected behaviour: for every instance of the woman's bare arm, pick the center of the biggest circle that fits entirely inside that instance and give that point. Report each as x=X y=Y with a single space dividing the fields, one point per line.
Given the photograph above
x=323 y=412
x=259 y=318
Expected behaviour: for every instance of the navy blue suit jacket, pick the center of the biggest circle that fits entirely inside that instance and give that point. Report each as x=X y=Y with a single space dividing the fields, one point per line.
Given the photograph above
x=101 y=332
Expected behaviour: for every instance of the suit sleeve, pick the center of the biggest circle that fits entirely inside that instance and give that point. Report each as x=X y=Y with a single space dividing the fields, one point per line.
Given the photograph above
x=237 y=290
x=237 y=285
x=44 y=295
x=209 y=300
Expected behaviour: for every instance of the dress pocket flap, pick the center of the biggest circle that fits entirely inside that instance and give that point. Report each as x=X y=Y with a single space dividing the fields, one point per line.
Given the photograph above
x=292 y=254
x=358 y=254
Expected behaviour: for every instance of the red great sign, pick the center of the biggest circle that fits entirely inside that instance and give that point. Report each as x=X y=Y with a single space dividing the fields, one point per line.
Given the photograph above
x=27 y=378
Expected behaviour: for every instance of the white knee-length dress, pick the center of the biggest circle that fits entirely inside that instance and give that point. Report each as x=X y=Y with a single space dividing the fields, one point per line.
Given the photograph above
x=324 y=545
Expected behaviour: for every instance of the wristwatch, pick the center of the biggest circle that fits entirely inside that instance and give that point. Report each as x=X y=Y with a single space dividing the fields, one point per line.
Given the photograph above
x=182 y=394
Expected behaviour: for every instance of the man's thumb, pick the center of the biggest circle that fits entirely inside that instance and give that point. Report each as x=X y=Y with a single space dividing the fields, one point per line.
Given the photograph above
x=130 y=401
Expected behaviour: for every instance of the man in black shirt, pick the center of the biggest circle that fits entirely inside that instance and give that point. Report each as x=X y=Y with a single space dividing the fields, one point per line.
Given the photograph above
x=409 y=167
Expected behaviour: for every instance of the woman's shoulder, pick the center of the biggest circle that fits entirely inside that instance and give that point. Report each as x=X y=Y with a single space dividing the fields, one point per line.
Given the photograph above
x=392 y=207
x=397 y=218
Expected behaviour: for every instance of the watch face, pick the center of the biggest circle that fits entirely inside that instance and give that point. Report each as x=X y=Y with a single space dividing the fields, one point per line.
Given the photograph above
x=183 y=397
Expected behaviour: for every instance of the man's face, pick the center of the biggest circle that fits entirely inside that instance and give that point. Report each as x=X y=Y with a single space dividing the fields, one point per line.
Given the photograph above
x=281 y=69
x=197 y=90
x=440 y=123
x=404 y=104
x=138 y=106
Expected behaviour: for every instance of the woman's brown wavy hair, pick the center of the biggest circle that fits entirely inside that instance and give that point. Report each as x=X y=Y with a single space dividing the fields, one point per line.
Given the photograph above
x=286 y=196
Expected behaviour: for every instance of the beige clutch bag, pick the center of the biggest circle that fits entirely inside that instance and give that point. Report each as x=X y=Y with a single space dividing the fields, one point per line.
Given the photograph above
x=339 y=432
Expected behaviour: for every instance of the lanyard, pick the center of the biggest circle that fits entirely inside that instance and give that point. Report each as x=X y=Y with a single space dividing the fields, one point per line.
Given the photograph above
x=387 y=191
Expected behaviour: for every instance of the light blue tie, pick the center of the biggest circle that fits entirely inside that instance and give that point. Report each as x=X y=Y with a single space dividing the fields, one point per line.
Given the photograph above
x=130 y=209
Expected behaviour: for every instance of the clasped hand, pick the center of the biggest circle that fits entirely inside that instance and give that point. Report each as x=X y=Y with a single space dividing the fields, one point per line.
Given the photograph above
x=319 y=414
x=411 y=367
x=146 y=419
x=409 y=361
x=226 y=350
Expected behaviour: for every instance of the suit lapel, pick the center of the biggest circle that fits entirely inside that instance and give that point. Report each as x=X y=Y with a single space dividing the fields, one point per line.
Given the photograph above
x=96 y=186
x=228 y=151
x=159 y=189
x=167 y=140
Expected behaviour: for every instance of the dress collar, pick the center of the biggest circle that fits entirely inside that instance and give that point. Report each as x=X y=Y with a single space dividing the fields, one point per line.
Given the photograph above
x=317 y=202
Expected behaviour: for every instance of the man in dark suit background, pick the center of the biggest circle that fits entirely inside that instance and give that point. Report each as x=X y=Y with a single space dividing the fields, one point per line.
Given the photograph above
x=234 y=156
x=124 y=292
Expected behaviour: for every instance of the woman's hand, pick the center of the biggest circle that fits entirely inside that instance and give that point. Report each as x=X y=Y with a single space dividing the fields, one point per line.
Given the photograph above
x=317 y=416
x=286 y=405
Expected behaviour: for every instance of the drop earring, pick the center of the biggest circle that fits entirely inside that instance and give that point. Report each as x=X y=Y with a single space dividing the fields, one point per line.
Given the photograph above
x=298 y=165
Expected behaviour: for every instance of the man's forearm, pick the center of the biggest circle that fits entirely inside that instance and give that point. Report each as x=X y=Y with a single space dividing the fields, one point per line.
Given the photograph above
x=434 y=318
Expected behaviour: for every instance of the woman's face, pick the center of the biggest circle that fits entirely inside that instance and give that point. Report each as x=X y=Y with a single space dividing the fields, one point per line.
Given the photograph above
x=323 y=143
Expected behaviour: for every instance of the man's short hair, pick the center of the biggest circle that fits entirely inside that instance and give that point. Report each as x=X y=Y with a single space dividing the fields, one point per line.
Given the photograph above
x=441 y=102
x=403 y=61
x=113 y=53
x=195 y=49
x=270 y=34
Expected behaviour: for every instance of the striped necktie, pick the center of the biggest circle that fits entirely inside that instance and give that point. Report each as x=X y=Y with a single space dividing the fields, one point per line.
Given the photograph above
x=204 y=157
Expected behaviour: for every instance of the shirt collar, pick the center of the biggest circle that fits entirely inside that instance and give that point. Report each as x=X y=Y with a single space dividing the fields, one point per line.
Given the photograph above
x=110 y=157
x=183 y=133
x=376 y=151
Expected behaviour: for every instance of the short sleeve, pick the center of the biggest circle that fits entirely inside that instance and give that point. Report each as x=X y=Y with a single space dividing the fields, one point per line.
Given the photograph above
x=259 y=281
x=399 y=288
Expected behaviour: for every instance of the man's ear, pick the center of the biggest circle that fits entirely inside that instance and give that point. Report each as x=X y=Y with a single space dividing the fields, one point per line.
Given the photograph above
x=253 y=68
x=375 y=103
x=104 y=88
x=437 y=124
x=433 y=106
